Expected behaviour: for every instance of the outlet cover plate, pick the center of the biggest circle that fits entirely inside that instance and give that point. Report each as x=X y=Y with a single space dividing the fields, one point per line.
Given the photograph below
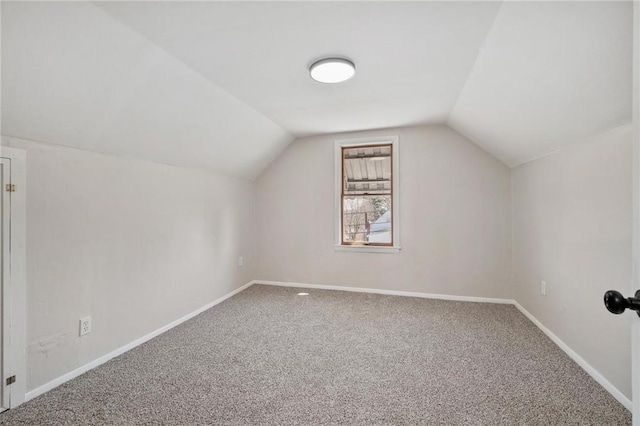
x=85 y=326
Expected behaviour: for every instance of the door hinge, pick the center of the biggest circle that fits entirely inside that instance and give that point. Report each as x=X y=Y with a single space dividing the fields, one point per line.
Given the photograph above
x=11 y=380
x=10 y=187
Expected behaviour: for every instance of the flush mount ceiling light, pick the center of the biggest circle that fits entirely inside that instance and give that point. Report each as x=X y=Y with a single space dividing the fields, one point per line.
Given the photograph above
x=332 y=70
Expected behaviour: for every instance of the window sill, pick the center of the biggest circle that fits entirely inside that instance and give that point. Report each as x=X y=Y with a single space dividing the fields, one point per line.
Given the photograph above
x=366 y=249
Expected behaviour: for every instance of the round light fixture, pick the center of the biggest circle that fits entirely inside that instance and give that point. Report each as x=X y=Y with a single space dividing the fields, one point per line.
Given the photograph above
x=332 y=70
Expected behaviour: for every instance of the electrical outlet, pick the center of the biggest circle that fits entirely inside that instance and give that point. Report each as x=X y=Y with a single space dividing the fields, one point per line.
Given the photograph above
x=543 y=288
x=240 y=261
x=85 y=326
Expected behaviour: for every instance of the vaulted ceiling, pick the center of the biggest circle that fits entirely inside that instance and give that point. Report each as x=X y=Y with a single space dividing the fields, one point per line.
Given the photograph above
x=224 y=85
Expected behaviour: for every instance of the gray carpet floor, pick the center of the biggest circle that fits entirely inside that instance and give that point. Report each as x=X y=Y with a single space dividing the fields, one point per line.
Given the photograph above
x=270 y=357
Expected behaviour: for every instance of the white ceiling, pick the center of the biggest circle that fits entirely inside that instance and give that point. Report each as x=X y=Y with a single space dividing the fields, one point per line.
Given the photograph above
x=549 y=74
x=412 y=58
x=74 y=76
x=224 y=85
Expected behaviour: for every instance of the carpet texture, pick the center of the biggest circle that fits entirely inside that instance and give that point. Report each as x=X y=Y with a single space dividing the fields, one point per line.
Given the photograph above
x=270 y=357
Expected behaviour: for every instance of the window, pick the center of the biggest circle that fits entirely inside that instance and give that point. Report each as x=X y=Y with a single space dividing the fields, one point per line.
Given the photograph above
x=367 y=195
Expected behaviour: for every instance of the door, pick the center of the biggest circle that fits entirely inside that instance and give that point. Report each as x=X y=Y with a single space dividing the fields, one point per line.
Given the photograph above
x=13 y=383
x=635 y=285
x=5 y=270
x=616 y=302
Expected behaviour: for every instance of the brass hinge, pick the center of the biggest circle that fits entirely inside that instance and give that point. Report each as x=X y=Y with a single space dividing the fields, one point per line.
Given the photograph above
x=10 y=188
x=11 y=380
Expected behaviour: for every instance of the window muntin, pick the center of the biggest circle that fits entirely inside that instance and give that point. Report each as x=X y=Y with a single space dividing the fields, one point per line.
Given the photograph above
x=366 y=197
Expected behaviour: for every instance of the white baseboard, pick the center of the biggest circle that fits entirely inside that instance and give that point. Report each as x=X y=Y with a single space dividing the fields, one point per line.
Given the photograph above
x=387 y=292
x=95 y=363
x=579 y=360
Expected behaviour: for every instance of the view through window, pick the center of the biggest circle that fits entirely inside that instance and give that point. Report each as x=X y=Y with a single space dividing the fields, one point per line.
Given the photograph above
x=367 y=195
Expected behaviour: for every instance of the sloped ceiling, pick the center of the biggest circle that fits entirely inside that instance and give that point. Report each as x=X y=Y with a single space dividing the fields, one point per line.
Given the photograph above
x=224 y=85
x=549 y=74
x=412 y=58
x=72 y=75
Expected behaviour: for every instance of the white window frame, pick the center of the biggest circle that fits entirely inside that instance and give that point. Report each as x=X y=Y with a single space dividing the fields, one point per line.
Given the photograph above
x=395 y=203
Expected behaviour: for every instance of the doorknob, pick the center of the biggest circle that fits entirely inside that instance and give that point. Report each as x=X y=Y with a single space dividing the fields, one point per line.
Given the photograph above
x=616 y=303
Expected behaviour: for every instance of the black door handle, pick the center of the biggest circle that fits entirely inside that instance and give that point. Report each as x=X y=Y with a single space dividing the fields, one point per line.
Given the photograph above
x=616 y=303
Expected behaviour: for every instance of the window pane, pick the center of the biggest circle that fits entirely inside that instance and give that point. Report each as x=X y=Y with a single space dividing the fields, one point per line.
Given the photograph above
x=366 y=219
x=367 y=170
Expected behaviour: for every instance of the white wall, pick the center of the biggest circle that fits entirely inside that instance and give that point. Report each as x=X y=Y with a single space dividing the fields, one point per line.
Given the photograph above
x=134 y=244
x=455 y=204
x=137 y=244
x=572 y=229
